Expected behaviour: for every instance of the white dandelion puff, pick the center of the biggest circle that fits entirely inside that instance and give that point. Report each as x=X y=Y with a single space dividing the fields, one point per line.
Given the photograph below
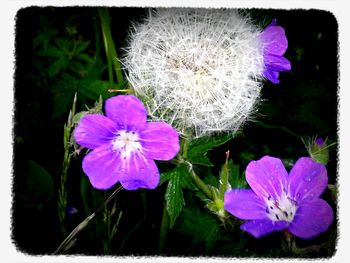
x=197 y=69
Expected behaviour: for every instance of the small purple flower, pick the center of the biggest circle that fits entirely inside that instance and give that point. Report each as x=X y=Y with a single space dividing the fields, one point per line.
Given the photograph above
x=125 y=145
x=279 y=201
x=275 y=45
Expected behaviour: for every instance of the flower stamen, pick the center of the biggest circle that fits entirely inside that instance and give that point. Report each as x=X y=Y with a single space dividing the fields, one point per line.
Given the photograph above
x=126 y=143
x=282 y=209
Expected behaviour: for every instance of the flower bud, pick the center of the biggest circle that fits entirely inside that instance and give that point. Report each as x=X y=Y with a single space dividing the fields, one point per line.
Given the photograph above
x=318 y=150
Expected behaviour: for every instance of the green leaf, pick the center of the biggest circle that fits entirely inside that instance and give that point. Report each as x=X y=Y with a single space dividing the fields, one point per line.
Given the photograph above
x=174 y=197
x=82 y=46
x=62 y=43
x=93 y=89
x=51 y=52
x=236 y=179
x=201 y=160
x=56 y=66
x=165 y=176
x=178 y=178
x=85 y=57
x=198 y=148
x=38 y=184
x=202 y=227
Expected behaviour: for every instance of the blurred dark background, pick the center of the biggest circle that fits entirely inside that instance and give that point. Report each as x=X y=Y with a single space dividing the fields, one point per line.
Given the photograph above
x=303 y=104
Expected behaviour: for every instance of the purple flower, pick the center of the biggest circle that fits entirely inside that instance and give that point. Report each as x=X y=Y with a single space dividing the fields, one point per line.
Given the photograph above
x=275 y=44
x=125 y=145
x=279 y=201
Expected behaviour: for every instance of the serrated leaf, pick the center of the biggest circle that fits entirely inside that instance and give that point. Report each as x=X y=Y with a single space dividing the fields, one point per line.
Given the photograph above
x=82 y=46
x=204 y=144
x=201 y=160
x=56 y=66
x=174 y=197
x=202 y=227
x=198 y=148
x=178 y=178
x=165 y=176
x=185 y=178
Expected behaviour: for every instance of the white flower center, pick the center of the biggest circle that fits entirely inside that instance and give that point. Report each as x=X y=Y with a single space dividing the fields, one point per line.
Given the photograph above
x=282 y=209
x=126 y=142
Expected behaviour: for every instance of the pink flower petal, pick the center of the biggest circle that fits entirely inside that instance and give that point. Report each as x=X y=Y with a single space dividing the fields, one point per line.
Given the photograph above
x=139 y=172
x=275 y=40
x=94 y=130
x=267 y=177
x=311 y=219
x=103 y=167
x=259 y=228
x=159 y=141
x=307 y=179
x=127 y=111
x=244 y=204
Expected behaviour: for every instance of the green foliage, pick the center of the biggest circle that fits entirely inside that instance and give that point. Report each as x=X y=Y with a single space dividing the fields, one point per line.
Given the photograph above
x=174 y=197
x=202 y=227
x=178 y=178
x=198 y=148
x=68 y=64
x=38 y=185
x=74 y=53
x=235 y=178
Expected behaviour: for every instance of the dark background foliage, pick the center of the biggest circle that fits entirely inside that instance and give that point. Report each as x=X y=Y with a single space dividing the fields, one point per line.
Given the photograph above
x=59 y=51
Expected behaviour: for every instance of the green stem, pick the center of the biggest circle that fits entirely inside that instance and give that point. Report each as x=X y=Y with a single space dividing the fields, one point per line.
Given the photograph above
x=111 y=53
x=201 y=185
x=62 y=192
x=224 y=178
x=164 y=229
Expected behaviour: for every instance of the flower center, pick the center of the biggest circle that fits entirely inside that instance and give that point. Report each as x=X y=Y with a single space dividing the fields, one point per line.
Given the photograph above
x=282 y=209
x=126 y=142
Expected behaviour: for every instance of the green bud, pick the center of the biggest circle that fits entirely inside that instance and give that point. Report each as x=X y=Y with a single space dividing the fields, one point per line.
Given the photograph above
x=318 y=150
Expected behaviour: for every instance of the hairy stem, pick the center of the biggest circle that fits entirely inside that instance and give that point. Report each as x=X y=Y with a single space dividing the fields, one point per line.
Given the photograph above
x=198 y=181
x=201 y=185
x=62 y=192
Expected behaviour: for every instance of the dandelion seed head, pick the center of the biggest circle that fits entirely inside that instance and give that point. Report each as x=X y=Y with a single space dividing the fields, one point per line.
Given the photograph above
x=197 y=69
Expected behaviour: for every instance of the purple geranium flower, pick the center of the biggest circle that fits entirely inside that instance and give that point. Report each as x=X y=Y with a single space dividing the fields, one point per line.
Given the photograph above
x=275 y=45
x=280 y=201
x=125 y=145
